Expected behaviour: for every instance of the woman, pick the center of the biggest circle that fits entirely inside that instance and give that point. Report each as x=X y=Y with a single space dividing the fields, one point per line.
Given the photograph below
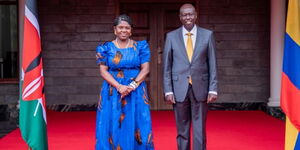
x=123 y=114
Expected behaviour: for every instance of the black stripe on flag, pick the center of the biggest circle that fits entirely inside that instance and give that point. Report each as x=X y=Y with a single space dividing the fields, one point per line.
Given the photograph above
x=32 y=6
x=34 y=63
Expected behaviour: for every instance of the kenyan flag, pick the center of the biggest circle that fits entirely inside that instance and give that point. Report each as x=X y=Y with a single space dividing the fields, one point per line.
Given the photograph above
x=32 y=98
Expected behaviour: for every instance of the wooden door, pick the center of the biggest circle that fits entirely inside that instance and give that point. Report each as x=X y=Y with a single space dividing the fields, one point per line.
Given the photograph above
x=151 y=22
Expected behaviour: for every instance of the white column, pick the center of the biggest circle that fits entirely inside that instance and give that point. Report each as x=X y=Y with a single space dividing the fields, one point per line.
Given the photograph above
x=278 y=11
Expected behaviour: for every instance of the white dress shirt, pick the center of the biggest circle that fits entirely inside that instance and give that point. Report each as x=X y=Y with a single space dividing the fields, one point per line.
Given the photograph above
x=193 y=35
x=185 y=36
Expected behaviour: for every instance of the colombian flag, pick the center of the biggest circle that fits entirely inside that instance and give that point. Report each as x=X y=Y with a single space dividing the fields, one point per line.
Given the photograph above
x=290 y=86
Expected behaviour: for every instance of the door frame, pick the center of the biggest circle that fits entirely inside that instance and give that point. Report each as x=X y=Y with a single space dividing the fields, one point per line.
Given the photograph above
x=118 y=2
x=158 y=104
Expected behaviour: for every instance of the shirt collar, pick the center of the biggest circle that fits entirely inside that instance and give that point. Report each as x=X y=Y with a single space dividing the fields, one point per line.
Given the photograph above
x=193 y=31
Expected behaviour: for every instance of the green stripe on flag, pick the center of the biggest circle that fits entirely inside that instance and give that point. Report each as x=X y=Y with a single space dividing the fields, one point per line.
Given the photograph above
x=32 y=124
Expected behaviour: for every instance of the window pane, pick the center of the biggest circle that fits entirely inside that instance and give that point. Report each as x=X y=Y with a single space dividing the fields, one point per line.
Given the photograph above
x=8 y=41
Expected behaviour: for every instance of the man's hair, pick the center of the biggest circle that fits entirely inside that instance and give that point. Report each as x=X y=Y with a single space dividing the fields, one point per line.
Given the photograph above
x=185 y=5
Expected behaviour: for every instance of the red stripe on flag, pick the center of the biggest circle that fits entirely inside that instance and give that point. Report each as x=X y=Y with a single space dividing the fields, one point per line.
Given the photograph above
x=31 y=50
x=32 y=44
x=290 y=100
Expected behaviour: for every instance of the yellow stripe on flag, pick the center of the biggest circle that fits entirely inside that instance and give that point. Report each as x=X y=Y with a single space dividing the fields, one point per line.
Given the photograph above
x=291 y=134
x=293 y=18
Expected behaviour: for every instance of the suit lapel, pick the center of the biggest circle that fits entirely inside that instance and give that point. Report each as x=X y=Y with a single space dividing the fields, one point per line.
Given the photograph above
x=181 y=43
x=197 y=44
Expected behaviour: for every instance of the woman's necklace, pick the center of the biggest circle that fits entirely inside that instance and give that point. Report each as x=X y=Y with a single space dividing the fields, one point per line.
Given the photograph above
x=117 y=41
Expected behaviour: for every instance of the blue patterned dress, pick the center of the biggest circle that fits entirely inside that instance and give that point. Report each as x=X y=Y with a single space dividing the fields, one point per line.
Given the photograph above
x=123 y=124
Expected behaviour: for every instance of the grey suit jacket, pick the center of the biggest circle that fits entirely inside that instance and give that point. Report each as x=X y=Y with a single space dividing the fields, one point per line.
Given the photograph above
x=202 y=68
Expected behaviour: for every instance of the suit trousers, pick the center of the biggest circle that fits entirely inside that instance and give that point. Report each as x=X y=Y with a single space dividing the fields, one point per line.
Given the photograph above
x=187 y=113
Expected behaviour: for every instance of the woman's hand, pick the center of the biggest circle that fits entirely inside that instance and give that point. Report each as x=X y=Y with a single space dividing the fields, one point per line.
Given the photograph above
x=124 y=90
x=130 y=89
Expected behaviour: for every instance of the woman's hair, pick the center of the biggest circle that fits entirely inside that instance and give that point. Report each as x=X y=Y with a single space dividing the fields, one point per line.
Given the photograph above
x=123 y=17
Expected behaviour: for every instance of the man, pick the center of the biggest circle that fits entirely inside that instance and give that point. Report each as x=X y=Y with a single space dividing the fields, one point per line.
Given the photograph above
x=190 y=77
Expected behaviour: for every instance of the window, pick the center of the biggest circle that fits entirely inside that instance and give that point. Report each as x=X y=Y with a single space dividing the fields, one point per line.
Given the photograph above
x=9 y=53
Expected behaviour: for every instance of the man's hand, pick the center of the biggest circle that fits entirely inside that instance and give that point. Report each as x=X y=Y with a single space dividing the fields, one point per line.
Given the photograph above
x=170 y=99
x=211 y=98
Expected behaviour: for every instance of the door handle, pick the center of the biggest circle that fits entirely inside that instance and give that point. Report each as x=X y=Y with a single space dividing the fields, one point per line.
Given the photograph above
x=159 y=53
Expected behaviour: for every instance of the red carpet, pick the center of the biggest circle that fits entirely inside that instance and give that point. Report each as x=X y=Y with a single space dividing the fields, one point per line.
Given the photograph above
x=227 y=130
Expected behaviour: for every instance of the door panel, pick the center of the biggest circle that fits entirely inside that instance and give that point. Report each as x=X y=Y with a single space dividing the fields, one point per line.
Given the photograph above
x=142 y=18
x=169 y=21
